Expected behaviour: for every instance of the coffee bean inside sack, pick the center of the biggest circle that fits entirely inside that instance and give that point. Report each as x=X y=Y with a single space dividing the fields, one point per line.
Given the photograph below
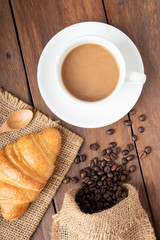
x=102 y=185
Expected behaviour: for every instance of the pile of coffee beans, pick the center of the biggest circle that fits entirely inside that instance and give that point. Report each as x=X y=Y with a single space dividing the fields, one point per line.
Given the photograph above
x=102 y=185
x=102 y=181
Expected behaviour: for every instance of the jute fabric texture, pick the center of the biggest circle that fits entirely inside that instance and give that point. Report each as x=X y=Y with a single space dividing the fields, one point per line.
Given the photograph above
x=125 y=221
x=24 y=227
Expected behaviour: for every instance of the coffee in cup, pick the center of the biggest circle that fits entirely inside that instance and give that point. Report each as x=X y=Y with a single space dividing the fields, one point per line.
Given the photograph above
x=90 y=72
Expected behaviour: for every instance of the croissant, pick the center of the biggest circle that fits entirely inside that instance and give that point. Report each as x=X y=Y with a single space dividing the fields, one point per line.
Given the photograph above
x=25 y=167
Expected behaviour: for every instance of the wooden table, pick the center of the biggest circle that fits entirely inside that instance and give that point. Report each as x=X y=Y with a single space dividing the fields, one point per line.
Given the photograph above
x=25 y=28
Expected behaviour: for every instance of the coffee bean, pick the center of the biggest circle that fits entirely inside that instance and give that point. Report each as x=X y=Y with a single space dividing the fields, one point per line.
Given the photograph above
x=66 y=180
x=115 y=179
x=103 y=177
x=103 y=163
x=94 y=146
x=110 y=175
x=117 y=150
x=96 y=168
x=127 y=123
x=125 y=152
x=123 y=178
x=147 y=149
x=74 y=179
x=123 y=166
x=103 y=153
x=130 y=147
x=124 y=194
x=141 y=129
x=142 y=155
x=142 y=117
x=100 y=173
x=86 y=179
x=112 y=144
x=125 y=172
x=99 y=183
x=108 y=150
x=97 y=197
x=113 y=168
x=77 y=160
x=132 y=112
x=113 y=156
x=90 y=182
x=95 y=160
x=134 y=138
x=124 y=160
x=130 y=157
x=107 y=169
x=110 y=131
x=83 y=175
x=115 y=188
x=83 y=158
x=132 y=168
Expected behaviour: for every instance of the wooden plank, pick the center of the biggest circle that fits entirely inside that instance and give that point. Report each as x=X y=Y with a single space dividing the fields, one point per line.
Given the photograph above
x=44 y=229
x=41 y=20
x=12 y=72
x=13 y=79
x=140 y=20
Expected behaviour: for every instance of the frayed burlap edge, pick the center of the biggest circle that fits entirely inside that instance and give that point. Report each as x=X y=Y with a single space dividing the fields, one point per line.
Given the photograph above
x=24 y=227
x=126 y=220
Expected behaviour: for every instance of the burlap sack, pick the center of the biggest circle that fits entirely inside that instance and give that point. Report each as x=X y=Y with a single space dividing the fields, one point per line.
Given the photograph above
x=126 y=220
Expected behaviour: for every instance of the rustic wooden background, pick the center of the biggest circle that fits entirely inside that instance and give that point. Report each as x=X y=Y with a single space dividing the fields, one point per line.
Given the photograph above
x=25 y=28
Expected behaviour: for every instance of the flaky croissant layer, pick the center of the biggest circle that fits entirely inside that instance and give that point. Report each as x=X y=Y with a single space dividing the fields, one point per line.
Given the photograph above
x=25 y=167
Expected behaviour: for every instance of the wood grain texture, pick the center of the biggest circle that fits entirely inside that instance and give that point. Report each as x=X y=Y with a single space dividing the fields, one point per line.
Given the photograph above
x=140 y=20
x=12 y=75
x=37 y=21
x=44 y=229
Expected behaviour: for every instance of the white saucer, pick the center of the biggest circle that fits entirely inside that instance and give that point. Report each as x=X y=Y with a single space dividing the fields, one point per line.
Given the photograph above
x=76 y=113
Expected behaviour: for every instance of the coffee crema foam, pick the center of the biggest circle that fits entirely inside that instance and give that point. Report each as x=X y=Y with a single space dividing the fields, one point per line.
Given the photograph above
x=90 y=72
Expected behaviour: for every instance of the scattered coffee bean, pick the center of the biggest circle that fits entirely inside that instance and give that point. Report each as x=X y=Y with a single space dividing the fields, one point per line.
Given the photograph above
x=124 y=160
x=130 y=147
x=147 y=149
x=112 y=144
x=94 y=146
x=74 y=179
x=123 y=178
x=117 y=150
x=83 y=158
x=134 y=138
x=113 y=168
x=142 y=117
x=127 y=123
x=113 y=156
x=130 y=157
x=77 y=160
x=125 y=152
x=66 y=180
x=132 y=112
x=142 y=155
x=108 y=150
x=141 y=129
x=103 y=153
x=83 y=174
x=110 y=131
x=132 y=168
x=103 y=163
x=108 y=159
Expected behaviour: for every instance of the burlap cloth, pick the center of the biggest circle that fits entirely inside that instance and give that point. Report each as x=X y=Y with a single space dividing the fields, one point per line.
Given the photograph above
x=125 y=221
x=24 y=227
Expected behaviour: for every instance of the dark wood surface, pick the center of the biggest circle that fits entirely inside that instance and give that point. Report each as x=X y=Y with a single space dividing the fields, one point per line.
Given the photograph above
x=26 y=27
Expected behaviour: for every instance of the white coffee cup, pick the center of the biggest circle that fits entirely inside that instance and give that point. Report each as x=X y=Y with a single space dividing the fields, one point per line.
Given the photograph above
x=124 y=76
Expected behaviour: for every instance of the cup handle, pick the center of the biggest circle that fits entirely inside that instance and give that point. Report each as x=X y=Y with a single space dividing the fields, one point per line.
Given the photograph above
x=135 y=77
